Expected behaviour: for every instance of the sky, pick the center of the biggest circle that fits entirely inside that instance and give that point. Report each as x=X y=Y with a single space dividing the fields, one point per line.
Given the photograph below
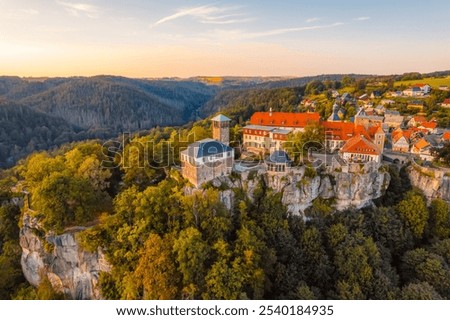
x=137 y=38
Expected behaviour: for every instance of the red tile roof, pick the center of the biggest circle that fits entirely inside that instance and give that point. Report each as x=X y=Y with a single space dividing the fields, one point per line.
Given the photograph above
x=338 y=130
x=422 y=143
x=446 y=136
x=284 y=119
x=398 y=134
x=429 y=124
x=360 y=145
x=446 y=101
x=419 y=119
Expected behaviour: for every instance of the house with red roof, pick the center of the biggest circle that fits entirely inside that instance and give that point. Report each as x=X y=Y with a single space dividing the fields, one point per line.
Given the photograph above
x=360 y=149
x=446 y=103
x=295 y=121
x=416 y=121
x=400 y=140
x=426 y=89
x=422 y=148
x=429 y=126
x=268 y=131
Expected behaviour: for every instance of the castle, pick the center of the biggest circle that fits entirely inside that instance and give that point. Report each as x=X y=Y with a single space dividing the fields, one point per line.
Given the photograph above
x=207 y=159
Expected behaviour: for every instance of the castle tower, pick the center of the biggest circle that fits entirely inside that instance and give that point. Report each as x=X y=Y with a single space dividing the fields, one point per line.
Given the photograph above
x=221 y=129
x=380 y=136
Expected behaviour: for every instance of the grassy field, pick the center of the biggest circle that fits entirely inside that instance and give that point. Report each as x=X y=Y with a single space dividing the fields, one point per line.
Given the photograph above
x=433 y=82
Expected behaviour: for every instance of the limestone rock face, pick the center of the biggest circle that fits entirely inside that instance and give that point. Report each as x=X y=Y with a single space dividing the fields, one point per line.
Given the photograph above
x=69 y=268
x=434 y=183
x=355 y=188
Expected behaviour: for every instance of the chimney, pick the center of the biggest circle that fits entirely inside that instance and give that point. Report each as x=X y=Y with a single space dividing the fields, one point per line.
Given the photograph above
x=270 y=111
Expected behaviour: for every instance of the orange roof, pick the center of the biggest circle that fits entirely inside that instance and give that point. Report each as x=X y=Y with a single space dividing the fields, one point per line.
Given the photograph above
x=422 y=143
x=398 y=134
x=284 y=119
x=429 y=124
x=361 y=130
x=446 y=135
x=359 y=144
x=339 y=130
x=420 y=119
x=446 y=101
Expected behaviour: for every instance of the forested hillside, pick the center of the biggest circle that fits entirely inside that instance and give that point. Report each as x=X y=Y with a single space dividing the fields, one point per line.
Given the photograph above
x=38 y=114
x=164 y=243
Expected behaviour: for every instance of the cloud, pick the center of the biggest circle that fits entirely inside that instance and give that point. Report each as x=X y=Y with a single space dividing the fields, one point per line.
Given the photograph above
x=362 y=18
x=77 y=9
x=22 y=14
x=275 y=32
x=312 y=20
x=207 y=14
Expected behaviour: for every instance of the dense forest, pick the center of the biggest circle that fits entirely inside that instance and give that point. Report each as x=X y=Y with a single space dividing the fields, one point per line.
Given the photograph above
x=164 y=243
x=39 y=114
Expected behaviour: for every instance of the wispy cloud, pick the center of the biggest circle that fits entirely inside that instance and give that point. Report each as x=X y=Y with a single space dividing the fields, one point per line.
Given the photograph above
x=362 y=18
x=19 y=14
x=275 y=32
x=79 y=9
x=209 y=14
x=314 y=19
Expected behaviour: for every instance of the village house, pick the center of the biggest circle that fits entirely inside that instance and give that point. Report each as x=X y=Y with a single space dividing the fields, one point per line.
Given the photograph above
x=393 y=119
x=422 y=149
x=413 y=92
x=360 y=149
x=375 y=95
x=207 y=159
x=446 y=137
x=400 y=141
x=429 y=126
x=446 y=103
x=415 y=105
x=367 y=121
x=338 y=133
x=415 y=121
x=425 y=88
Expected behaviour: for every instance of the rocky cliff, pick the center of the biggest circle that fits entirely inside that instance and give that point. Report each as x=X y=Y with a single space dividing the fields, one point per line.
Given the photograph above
x=355 y=187
x=69 y=268
x=433 y=182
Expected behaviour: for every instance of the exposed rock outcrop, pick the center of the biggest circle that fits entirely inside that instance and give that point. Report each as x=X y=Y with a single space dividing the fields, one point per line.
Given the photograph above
x=355 y=188
x=69 y=268
x=434 y=183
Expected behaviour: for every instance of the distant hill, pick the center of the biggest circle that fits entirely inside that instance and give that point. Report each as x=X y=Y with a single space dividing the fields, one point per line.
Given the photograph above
x=23 y=130
x=96 y=107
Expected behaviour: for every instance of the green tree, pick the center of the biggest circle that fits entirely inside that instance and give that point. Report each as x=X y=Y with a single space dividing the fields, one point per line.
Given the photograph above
x=191 y=254
x=419 y=291
x=414 y=213
x=156 y=271
x=439 y=221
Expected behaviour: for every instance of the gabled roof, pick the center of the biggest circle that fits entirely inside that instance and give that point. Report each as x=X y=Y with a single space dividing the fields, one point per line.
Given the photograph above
x=339 y=130
x=360 y=145
x=206 y=147
x=419 y=119
x=398 y=134
x=422 y=143
x=278 y=156
x=221 y=118
x=284 y=119
x=429 y=124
